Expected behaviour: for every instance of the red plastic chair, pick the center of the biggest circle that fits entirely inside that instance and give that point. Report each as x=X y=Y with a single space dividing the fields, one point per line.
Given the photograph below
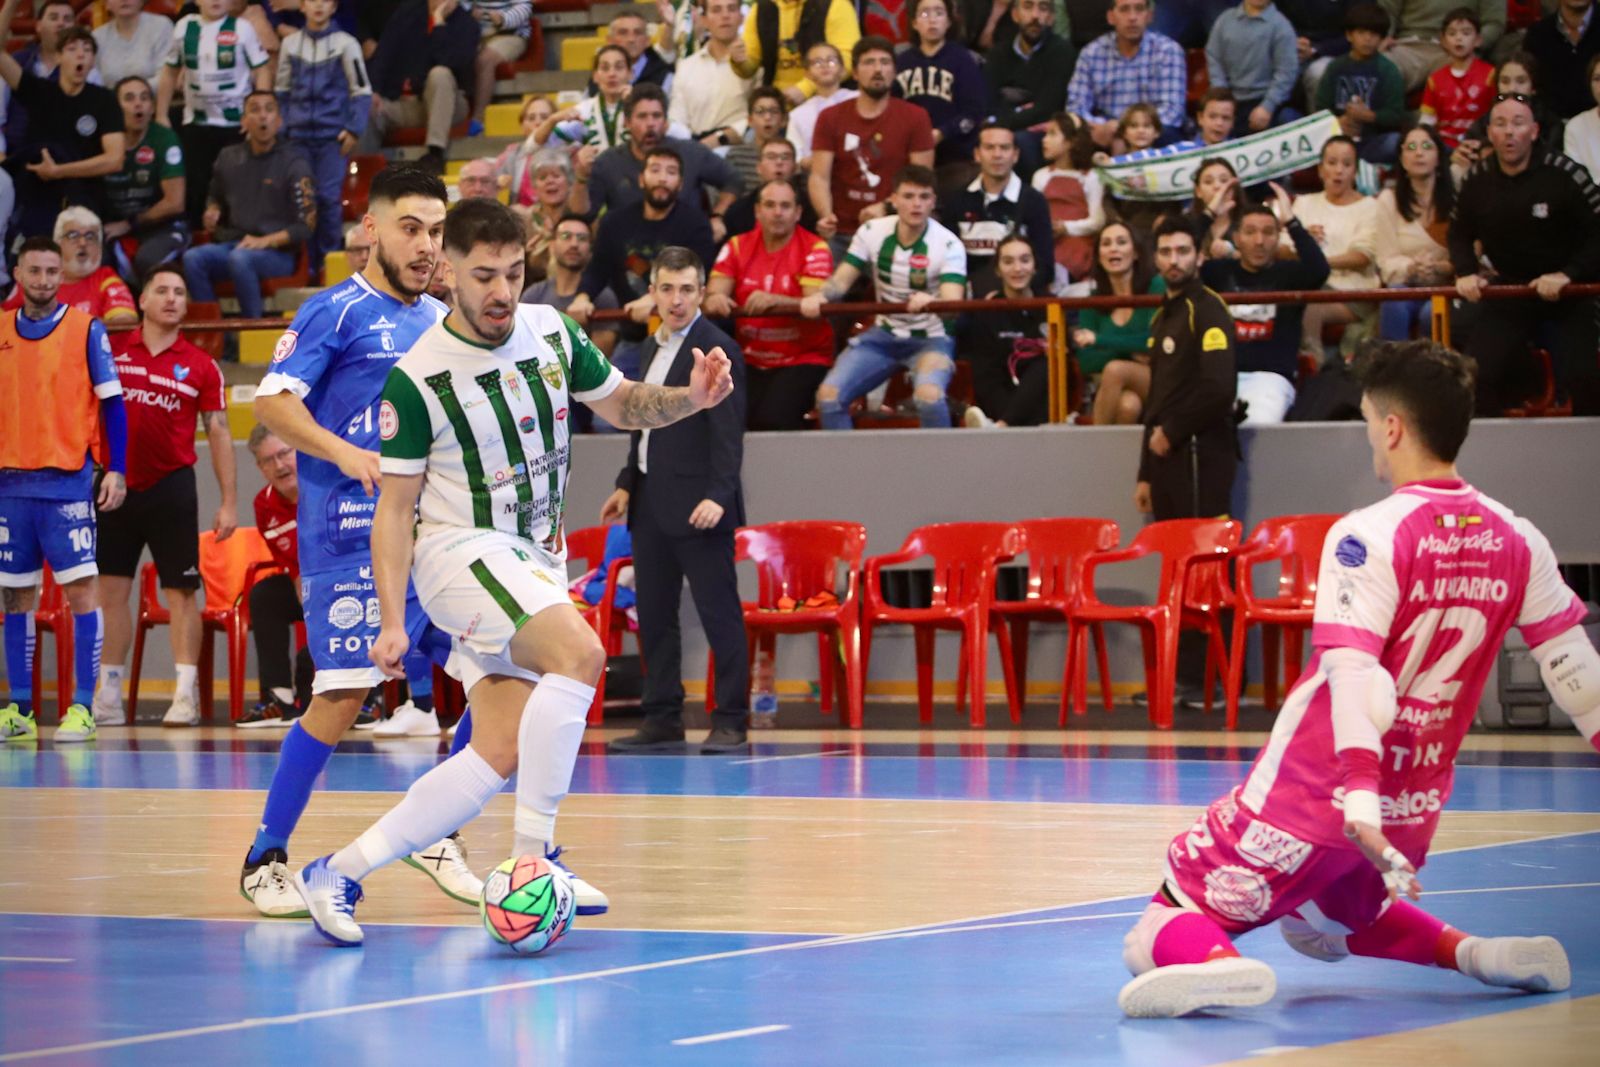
x=228 y=571
x=1295 y=543
x=799 y=560
x=1185 y=596
x=1057 y=550
x=965 y=558
x=589 y=545
x=53 y=615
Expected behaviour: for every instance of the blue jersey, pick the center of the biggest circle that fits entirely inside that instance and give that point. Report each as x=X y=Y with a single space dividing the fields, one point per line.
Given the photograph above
x=50 y=483
x=335 y=356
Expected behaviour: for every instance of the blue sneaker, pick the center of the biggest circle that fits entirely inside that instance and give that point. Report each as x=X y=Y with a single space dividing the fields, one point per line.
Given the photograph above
x=331 y=899
x=474 y=128
x=589 y=899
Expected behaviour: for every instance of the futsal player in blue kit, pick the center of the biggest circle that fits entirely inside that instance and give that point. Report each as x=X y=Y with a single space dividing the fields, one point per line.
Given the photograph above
x=321 y=396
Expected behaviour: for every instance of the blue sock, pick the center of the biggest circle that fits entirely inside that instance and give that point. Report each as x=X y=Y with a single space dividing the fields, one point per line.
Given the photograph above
x=299 y=763
x=463 y=732
x=19 y=658
x=419 y=679
x=88 y=631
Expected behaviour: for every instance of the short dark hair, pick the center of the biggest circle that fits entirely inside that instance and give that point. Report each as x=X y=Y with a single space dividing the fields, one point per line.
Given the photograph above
x=767 y=92
x=1461 y=14
x=573 y=216
x=992 y=125
x=481 y=221
x=663 y=151
x=676 y=257
x=639 y=94
x=783 y=142
x=116 y=90
x=789 y=185
x=1337 y=138
x=1369 y=17
x=1173 y=225
x=393 y=182
x=1217 y=94
x=253 y=93
x=1527 y=61
x=603 y=49
x=1251 y=207
x=77 y=33
x=1431 y=384
x=37 y=244
x=171 y=266
x=48 y=4
x=915 y=174
x=870 y=43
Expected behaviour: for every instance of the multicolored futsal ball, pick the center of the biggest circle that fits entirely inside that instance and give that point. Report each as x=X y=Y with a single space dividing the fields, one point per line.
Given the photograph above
x=528 y=903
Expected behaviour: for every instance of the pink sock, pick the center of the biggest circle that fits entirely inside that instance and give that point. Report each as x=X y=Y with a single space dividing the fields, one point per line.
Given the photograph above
x=1190 y=937
x=1407 y=933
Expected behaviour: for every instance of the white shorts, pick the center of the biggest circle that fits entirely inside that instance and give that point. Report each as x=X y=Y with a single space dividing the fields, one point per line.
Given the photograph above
x=1269 y=395
x=503 y=583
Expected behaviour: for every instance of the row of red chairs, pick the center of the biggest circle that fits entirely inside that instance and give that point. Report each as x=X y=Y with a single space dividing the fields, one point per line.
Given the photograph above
x=796 y=560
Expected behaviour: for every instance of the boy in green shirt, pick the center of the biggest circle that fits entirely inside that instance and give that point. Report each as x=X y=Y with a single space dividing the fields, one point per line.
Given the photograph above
x=1365 y=89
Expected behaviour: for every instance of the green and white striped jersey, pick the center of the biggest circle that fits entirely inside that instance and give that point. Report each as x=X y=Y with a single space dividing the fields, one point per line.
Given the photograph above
x=899 y=270
x=216 y=59
x=488 y=428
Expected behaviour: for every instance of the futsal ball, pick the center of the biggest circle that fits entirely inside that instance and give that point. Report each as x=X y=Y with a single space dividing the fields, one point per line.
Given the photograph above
x=528 y=903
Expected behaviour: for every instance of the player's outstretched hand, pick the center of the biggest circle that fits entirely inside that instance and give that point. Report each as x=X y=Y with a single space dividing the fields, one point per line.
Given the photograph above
x=361 y=465
x=1399 y=876
x=711 y=381
x=388 y=650
x=113 y=490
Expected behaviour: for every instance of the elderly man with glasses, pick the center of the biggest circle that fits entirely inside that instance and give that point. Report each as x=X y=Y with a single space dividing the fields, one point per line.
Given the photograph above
x=85 y=283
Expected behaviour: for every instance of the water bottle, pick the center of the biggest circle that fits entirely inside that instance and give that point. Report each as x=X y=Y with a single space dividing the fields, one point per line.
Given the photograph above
x=763 y=692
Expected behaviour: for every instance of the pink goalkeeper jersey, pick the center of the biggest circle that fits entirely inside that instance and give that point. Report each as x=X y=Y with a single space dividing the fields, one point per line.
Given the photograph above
x=1429 y=581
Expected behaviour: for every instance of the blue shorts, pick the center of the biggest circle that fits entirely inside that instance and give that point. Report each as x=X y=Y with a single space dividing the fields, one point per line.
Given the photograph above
x=35 y=531
x=342 y=623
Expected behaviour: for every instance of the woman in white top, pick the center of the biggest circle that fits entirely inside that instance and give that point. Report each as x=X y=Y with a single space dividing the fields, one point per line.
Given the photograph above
x=1582 y=140
x=1344 y=222
x=595 y=122
x=511 y=166
x=1413 y=224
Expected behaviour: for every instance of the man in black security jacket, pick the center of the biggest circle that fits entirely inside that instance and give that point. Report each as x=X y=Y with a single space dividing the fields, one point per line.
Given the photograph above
x=1537 y=216
x=682 y=498
x=1268 y=334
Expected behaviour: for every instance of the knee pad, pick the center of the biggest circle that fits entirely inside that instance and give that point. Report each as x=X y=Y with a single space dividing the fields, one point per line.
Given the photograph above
x=1138 y=943
x=1306 y=939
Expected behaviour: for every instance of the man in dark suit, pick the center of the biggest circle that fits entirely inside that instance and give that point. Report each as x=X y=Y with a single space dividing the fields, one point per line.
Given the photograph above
x=681 y=495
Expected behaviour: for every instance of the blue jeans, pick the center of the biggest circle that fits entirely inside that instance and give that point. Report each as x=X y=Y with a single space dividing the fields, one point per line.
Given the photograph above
x=327 y=177
x=1399 y=320
x=871 y=358
x=245 y=267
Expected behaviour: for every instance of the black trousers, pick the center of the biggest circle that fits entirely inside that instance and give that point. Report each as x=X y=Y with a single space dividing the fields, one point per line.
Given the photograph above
x=1023 y=403
x=662 y=559
x=780 y=398
x=1502 y=333
x=1194 y=482
x=201 y=146
x=274 y=609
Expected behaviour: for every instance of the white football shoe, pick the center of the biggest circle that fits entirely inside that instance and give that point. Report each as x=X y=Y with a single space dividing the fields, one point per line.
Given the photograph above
x=1168 y=992
x=409 y=721
x=1537 y=964
x=446 y=863
x=183 y=712
x=269 y=885
x=107 y=706
x=331 y=898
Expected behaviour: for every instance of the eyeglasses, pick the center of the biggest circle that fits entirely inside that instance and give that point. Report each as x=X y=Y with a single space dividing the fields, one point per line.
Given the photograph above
x=81 y=235
x=767 y=112
x=1418 y=146
x=1521 y=98
x=282 y=455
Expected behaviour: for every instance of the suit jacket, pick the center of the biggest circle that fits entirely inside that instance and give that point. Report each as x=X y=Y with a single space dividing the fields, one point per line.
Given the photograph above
x=698 y=458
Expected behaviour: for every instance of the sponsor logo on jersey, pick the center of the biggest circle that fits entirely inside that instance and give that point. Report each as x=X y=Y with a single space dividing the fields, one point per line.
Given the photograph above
x=388 y=421
x=1453 y=544
x=227 y=37
x=1168 y=345
x=5 y=535
x=1238 y=893
x=1350 y=552
x=526 y=424
x=1463 y=587
x=346 y=613
x=561 y=413
x=1541 y=210
x=1410 y=807
x=77 y=509
x=174 y=155
x=285 y=346
x=1272 y=847
x=513 y=475
x=383 y=323
x=144 y=155
x=179 y=371
x=86 y=125
x=1213 y=340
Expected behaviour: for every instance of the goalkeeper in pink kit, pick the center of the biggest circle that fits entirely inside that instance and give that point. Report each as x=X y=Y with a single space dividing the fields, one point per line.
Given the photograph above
x=1327 y=832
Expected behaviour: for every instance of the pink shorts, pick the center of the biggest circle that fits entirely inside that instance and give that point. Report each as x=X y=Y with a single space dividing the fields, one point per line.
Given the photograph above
x=1244 y=873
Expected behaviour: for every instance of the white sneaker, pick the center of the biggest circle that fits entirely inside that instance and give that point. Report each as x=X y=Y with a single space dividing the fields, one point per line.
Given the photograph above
x=409 y=721
x=183 y=712
x=446 y=863
x=331 y=898
x=108 y=708
x=589 y=900
x=1168 y=992
x=269 y=885
x=976 y=418
x=77 y=726
x=1537 y=964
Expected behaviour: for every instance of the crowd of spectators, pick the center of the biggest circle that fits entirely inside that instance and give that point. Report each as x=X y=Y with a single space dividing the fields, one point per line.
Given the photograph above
x=796 y=151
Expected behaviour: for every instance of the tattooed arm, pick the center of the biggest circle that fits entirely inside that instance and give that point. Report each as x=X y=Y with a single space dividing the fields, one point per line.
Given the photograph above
x=221 y=440
x=642 y=406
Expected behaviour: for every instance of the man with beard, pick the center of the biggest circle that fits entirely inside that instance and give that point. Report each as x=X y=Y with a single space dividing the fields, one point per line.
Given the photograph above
x=1028 y=75
x=144 y=200
x=571 y=249
x=321 y=398
x=861 y=144
x=85 y=284
x=627 y=243
x=614 y=180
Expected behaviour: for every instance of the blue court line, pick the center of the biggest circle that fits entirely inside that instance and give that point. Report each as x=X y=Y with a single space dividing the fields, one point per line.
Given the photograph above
x=990 y=778
x=1007 y=989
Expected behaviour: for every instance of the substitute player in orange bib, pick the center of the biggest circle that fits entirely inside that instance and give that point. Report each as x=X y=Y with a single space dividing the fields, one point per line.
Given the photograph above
x=1331 y=825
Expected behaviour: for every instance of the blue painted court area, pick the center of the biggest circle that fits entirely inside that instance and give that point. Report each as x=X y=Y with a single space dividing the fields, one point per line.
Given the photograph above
x=1031 y=988
x=996 y=777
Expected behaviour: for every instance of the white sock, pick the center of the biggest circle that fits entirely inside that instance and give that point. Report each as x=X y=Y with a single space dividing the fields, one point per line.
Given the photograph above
x=547 y=748
x=437 y=804
x=188 y=674
x=111 y=683
x=285 y=695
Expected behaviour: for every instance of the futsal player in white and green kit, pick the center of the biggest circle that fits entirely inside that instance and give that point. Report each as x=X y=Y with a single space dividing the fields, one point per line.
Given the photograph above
x=475 y=432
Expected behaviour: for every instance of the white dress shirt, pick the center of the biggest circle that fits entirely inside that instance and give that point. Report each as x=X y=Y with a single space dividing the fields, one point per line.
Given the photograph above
x=708 y=95
x=656 y=374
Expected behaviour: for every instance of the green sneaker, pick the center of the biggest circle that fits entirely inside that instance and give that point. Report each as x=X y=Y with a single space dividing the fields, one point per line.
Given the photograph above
x=15 y=726
x=77 y=726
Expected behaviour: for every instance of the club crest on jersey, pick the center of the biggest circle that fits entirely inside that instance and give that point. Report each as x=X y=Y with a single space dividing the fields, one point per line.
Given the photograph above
x=514 y=384
x=1350 y=552
x=1238 y=893
x=179 y=371
x=388 y=421
x=1449 y=522
x=551 y=372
